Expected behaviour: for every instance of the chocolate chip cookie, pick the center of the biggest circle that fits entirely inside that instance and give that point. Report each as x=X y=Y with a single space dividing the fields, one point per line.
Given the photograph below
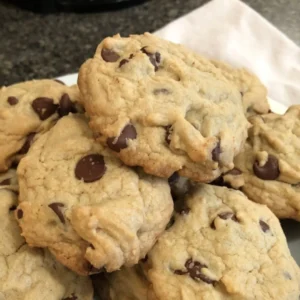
x=30 y=108
x=268 y=171
x=32 y=273
x=82 y=203
x=160 y=106
x=254 y=93
x=221 y=246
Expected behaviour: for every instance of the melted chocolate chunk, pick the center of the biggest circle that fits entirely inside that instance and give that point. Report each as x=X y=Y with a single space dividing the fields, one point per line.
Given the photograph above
x=194 y=269
x=216 y=152
x=19 y=213
x=66 y=106
x=12 y=100
x=264 y=226
x=44 y=107
x=109 y=55
x=123 y=62
x=118 y=143
x=27 y=143
x=56 y=207
x=155 y=58
x=90 y=168
x=269 y=171
x=228 y=215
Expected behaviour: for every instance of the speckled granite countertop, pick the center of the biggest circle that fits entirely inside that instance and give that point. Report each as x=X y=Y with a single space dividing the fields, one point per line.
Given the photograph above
x=38 y=46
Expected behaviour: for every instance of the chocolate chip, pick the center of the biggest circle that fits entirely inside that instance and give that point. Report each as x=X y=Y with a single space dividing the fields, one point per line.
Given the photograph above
x=44 y=107
x=228 y=215
x=109 y=55
x=173 y=178
x=154 y=58
x=168 y=133
x=264 y=226
x=5 y=182
x=161 y=91
x=180 y=272
x=27 y=144
x=225 y=216
x=216 y=152
x=56 y=208
x=19 y=213
x=269 y=171
x=194 y=269
x=12 y=100
x=234 y=171
x=123 y=62
x=12 y=208
x=131 y=56
x=66 y=106
x=118 y=143
x=59 y=81
x=72 y=297
x=90 y=168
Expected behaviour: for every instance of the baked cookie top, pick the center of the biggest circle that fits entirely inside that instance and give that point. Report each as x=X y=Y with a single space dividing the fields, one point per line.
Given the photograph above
x=160 y=106
x=27 y=109
x=254 y=93
x=222 y=246
x=84 y=204
x=268 y=170
x=32 y=273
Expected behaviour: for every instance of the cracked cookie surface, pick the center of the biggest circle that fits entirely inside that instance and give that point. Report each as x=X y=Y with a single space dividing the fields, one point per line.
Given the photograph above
x=254 y=93
x=85 y=205
x=28 y=109
x=31 y=273
x=160 y=106
x=221 y=246
x=268 y=170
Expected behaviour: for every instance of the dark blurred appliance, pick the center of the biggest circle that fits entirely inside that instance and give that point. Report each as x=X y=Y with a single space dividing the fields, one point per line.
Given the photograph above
x=48 y=6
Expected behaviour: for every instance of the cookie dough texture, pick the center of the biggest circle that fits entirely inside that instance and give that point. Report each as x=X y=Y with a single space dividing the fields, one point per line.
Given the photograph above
x=27 y=273
x=254 y=93
x=30 y=108
x=83 y=204
x=162 y=107
x=269 y=169
x=221 y=246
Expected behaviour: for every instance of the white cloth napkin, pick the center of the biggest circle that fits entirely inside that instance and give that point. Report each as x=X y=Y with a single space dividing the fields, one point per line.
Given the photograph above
x=231 y=31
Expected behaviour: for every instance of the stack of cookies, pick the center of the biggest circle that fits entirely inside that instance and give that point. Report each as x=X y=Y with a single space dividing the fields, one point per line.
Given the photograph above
x=145 y=176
